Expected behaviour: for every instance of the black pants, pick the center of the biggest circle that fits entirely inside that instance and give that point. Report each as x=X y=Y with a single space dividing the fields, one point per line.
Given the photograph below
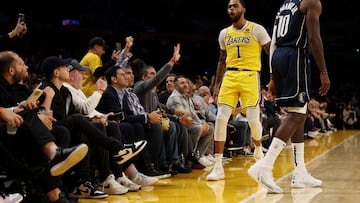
x=242 y=134
x=83 y=130
x=132 y=132
x=155 y=138
x=78 y=124
x=25 y=146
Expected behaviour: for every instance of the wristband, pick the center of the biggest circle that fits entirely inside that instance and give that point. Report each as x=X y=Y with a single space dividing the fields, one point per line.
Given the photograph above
x=1 y=108
x=101 y=90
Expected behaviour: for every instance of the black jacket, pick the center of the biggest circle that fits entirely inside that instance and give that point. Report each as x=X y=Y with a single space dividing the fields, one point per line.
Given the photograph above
x=62 y=98
x=110 y=103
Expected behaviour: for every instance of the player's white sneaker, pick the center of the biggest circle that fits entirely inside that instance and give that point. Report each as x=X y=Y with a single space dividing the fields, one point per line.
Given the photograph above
x=217 y=173
x=304 y=180
x=263 y=175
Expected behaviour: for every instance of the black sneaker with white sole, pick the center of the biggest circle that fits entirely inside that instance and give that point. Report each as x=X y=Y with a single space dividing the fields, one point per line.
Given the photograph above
x=129 y=151
x=153 y=171
x=66 y=158
x=87 y=191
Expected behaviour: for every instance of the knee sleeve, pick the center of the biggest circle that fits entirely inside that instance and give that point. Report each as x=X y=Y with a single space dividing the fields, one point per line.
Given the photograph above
x=253 y=117
x=222 y=119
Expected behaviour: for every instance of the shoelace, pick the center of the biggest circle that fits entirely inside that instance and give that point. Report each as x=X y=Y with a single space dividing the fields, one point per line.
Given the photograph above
x=90 y=186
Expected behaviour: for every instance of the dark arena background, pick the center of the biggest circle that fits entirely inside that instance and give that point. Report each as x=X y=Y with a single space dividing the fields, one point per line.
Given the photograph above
x=65 y=27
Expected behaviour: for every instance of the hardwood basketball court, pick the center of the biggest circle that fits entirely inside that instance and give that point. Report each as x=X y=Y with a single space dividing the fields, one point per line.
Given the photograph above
x=334 y=158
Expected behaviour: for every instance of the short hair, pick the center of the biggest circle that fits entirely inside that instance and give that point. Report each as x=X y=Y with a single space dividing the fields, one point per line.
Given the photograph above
x=128 y=66
x=110 y=73
x=137 y=66
x=145 y=69
x=179 y=76
x=202 y=90
x=171 y=75
x=6 y=60
x=242 y=2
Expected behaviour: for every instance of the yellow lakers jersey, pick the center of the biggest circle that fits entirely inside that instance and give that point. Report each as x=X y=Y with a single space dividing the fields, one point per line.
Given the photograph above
x=243 y=51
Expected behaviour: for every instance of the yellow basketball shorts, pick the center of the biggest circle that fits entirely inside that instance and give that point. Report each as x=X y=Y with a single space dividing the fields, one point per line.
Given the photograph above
x=243 y=86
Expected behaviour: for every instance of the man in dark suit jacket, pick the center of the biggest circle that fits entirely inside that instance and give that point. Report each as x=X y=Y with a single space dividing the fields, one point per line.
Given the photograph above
x=147 y=126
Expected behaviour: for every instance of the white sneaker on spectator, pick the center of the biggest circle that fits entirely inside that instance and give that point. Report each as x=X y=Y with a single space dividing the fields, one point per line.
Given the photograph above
x=313 y=133
x=263 y=175
x=111 y=187
x=211 y=158
x=217 y=173
x=143 y=180
x=258 y=153
x=11 y=198
x=133 y=187
x=304 y=180
x=204 y=161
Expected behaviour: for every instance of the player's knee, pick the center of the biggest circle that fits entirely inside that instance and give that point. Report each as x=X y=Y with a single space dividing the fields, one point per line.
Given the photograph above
x=256 y=129
x=223 y=113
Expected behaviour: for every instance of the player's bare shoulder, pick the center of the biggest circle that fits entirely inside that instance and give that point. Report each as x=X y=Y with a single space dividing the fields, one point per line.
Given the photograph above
x=305 y=5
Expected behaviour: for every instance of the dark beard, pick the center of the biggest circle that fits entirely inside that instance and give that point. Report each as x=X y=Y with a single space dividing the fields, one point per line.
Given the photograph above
x=235 y=18
x=18 y=78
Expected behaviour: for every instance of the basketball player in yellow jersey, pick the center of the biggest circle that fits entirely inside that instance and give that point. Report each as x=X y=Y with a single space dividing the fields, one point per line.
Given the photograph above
x=238 y=73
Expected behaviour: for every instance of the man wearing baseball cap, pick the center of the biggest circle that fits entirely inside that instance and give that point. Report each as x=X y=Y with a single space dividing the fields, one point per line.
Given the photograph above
x=75 y=65
x=92 y=59
x=57 y=72
x=86 y=106
x=53 y=62
x=97 y=41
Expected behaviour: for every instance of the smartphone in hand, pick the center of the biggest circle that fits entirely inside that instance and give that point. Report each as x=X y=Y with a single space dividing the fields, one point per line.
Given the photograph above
x=34 y=96
x=118 y=46
x=22 y=17
x=119 y=116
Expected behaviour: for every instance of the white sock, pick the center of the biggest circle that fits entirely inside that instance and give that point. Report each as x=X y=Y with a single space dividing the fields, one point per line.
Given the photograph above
x=259 y=148
x=218 y=158
x=275 y=148
x=298 y=154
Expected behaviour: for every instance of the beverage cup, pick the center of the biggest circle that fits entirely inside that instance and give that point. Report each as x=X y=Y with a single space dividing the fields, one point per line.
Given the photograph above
x=165 y=123
x=11 y=129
